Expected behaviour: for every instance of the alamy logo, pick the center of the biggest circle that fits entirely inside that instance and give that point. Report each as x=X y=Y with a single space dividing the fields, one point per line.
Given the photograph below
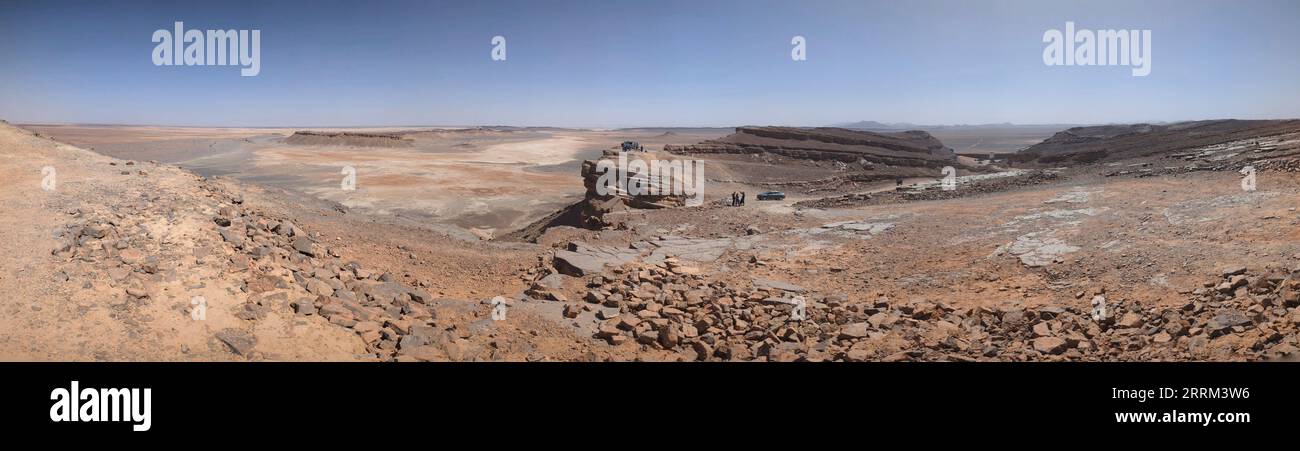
x=499 y=307
x=104 y=404
x=949 y=182
x=215 y=48
x=800 y=310
x=200 y=309
x=349 y=182
x=1248 y=179
x=498 y=48
x=641 y=177
x=1099 y=308
x=1084 y=47
x=49 y=178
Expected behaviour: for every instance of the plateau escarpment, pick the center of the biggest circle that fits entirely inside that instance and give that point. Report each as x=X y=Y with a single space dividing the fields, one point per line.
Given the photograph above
x=309 y=138
x=1105 y=143
x=910 y=148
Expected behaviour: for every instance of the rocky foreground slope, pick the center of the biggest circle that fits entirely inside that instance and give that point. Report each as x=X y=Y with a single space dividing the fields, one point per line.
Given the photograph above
x=670 y=306
x=117 y=260
x=124 y=260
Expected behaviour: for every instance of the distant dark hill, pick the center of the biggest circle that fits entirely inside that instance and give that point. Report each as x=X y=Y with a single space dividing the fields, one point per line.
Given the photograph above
x=909 y=148
x=354 y=139
x=1081 y=145
x=973 y=139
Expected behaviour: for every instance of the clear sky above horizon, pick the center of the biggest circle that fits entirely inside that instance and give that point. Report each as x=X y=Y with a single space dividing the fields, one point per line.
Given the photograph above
x=623 y=63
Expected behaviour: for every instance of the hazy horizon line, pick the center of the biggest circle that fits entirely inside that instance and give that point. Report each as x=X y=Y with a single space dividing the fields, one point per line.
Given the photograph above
x=837 y=125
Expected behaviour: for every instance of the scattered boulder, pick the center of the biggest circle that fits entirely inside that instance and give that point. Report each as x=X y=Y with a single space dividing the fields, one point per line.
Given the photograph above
x=1226 y=320
x=306 y=247
x=235 y=239
x=1049 y=345
x=239 y=341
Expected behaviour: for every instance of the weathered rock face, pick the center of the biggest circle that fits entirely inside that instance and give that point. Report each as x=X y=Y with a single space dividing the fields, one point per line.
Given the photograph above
x=589 y=213
x=911 y=148
x=582 y=260
x=660 y=185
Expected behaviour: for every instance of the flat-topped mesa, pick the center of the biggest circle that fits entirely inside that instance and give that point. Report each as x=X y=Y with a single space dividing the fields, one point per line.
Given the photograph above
x=356 y=139
x=910 y=148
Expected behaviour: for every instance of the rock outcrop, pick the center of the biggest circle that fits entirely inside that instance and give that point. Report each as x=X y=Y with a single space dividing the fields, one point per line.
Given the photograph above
x=591 y=211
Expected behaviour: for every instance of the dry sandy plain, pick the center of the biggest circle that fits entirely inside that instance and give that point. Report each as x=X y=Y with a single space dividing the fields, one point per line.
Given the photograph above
x=484 y=180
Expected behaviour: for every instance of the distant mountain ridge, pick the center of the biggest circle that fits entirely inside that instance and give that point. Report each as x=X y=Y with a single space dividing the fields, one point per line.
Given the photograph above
x=895 y=126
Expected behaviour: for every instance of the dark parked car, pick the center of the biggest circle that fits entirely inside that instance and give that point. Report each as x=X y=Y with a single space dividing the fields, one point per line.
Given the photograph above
x=771 y=195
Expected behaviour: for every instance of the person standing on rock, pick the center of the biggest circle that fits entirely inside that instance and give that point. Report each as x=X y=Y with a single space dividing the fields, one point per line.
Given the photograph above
x=742 y=198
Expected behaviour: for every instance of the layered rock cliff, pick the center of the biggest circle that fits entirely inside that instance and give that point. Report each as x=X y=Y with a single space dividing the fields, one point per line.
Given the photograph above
x=910 y=148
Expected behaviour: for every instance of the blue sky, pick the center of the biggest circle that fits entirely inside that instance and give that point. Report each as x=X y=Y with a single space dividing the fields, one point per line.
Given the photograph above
x=617 y=63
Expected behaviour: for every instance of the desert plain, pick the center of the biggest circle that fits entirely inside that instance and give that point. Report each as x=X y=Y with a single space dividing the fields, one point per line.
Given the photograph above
x=488 y=243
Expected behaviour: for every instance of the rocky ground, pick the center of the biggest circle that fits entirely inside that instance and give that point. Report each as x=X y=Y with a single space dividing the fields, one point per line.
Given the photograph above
x=125 y=260
x=134 y=260
x=111 y=261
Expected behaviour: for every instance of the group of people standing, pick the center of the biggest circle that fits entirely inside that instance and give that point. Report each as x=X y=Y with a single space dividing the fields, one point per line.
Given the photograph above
x=737 y=199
